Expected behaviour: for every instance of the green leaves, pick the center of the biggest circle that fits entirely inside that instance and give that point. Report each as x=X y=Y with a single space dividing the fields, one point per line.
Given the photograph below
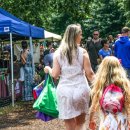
x=109 y=16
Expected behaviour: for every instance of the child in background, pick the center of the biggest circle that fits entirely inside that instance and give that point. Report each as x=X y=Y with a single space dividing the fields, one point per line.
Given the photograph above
x=110 y=73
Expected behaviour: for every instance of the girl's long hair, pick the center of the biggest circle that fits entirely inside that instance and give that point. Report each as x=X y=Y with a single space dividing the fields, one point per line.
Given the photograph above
x=68 y=45
x=110 y=71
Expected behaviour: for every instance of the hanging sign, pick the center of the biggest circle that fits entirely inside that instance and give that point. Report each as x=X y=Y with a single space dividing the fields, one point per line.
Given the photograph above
x=6 y=29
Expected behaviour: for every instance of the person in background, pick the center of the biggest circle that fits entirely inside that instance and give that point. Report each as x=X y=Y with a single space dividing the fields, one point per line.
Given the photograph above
x=118 y=36
x=105 y=51
x=16 y=66
x=122 y=49
x=47 y=51
x=16 y=75
x=26 y=60
x=110 y=74
x=40 y=69
x=48 y=59
x=111 y=43
x=72 y=64
x=93 y=46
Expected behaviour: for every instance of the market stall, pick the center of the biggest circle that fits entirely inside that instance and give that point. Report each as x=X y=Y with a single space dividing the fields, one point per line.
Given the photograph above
x=13 y=28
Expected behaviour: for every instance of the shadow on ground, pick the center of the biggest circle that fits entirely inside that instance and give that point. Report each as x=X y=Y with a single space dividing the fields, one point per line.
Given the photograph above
x=18 y=115
x=22 y=117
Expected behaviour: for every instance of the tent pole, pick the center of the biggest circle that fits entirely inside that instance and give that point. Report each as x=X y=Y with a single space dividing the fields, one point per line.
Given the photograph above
x=31 y=48
x=12 y=70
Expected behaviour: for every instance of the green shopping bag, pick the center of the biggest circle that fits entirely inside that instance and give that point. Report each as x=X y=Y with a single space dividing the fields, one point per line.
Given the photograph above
x=47 y=101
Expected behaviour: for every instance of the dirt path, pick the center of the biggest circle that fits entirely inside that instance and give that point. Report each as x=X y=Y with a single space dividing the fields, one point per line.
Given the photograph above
x=22 y=117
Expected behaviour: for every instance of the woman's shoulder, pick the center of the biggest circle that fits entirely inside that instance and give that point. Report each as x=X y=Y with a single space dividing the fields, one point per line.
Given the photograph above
x=57 y=53
x=82 y=49
x=84 y=52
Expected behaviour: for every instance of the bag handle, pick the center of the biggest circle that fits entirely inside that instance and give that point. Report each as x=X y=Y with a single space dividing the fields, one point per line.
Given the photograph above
x=40 y=83
x=49 y=76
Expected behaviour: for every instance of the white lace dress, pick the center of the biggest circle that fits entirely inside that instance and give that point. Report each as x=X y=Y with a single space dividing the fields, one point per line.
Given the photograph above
x=73 y=89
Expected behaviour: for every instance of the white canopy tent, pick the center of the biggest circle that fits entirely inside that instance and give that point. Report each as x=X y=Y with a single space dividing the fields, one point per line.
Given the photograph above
x=52 y=36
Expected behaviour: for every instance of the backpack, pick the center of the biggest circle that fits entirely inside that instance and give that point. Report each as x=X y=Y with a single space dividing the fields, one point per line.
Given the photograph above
x=112 y=99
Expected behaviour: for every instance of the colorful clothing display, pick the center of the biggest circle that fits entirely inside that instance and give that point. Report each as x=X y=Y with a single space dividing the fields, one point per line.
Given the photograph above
x=4 y=92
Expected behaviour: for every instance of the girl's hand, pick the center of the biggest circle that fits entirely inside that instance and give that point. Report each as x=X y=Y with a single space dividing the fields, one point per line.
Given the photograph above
x=46 y=69
x=129 y=124
x=92 y=125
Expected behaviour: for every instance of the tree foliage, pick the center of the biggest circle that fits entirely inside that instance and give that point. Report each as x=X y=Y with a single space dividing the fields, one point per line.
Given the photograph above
x=127 y=11
x=53 y=15
x=28 y=10
x=109 y=16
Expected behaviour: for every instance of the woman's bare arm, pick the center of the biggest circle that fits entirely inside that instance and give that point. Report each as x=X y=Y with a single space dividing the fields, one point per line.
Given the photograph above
x=87 y=66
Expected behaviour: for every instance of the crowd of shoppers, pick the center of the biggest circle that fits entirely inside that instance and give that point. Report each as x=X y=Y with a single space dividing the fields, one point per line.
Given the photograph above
x=103 y=63
x=72 y=64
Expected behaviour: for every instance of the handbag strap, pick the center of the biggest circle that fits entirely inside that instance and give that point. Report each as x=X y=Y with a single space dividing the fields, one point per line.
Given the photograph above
x=52 y=80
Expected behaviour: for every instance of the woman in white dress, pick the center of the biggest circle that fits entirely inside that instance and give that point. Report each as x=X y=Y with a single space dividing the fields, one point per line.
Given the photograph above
x=72 y=64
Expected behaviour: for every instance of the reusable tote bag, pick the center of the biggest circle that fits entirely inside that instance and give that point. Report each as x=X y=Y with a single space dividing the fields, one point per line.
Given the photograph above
x=47 y=101
x=36 y=92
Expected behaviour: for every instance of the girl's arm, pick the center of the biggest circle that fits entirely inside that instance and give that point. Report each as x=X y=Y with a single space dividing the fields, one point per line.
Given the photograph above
x=128 y=111
x=93 y=108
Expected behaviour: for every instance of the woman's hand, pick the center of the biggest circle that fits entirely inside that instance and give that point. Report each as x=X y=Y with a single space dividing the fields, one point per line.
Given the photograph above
x=92 y=125
x=47 y=69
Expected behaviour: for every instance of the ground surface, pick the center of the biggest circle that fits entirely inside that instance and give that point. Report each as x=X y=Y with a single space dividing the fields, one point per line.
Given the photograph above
x=22 y=117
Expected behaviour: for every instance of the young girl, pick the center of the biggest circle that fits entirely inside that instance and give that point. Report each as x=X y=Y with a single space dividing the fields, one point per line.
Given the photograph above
x=110 y=72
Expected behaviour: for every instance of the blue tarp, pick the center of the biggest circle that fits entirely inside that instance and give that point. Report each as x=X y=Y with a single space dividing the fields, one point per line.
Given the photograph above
x=37 y=32
x=10 y=23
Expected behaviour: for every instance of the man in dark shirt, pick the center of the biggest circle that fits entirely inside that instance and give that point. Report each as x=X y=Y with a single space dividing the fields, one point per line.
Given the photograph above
x=93 y=46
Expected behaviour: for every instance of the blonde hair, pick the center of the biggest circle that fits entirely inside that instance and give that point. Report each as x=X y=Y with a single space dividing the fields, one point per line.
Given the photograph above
x=109 y=72
x=68 y=45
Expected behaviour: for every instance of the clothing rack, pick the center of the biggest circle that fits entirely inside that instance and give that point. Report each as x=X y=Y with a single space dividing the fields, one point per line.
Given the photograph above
x=5 y=98
x=4 y=91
